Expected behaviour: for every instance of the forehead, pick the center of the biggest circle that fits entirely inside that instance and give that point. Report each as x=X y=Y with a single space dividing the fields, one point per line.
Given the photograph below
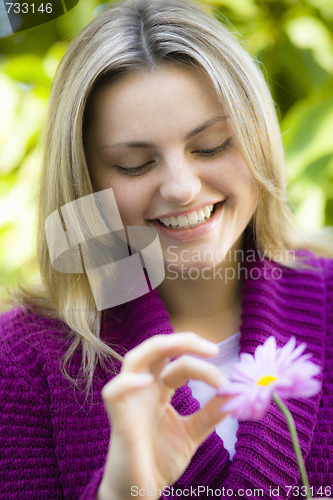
x=170 y=96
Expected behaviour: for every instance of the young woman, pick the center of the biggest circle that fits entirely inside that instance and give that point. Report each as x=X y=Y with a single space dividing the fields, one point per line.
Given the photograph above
x=157 y=101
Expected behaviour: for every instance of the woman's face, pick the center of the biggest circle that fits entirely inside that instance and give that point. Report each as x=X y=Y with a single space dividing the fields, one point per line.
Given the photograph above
x=163 y=142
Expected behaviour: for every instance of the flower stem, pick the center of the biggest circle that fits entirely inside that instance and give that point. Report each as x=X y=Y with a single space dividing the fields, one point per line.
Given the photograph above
x=295 y=442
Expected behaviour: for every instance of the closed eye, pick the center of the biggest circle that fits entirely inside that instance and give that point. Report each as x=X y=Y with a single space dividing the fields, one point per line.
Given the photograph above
x=214 y=151
x=207 y=153
x=135 y=170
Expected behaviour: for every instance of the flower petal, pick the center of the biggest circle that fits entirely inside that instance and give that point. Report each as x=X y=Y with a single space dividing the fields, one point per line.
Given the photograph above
x=285 y=371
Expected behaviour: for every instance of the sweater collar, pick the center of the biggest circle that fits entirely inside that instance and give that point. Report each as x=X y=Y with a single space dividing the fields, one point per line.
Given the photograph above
x=275 y=301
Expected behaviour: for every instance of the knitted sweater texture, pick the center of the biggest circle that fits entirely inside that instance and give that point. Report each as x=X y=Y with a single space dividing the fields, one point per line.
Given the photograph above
x=53 y=443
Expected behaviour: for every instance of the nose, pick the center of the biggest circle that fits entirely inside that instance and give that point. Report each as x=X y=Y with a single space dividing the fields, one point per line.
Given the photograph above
x=180 y=182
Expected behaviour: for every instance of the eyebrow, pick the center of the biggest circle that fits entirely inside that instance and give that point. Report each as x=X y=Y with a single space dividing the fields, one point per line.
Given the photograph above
x=149 y=145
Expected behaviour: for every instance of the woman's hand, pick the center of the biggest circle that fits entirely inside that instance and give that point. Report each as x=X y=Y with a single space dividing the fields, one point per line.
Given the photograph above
x=151 y=444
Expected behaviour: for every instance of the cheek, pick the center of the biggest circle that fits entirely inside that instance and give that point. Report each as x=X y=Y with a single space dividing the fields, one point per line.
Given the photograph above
x=235 y=180
x=244 y=183
x=242 y=189
x=125 y=202
x=132 y=202
x=248 y=195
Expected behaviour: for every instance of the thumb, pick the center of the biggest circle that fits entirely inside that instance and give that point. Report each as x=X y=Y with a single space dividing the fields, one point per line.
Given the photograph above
x=202 y=423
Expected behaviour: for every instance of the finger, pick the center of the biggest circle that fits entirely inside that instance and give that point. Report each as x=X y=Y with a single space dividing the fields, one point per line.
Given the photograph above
x=177 y=373
x=123 y=385
x=153 y=354
x=202 y=423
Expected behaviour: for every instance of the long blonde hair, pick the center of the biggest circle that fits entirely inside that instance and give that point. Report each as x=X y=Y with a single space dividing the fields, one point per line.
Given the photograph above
x=138 y=34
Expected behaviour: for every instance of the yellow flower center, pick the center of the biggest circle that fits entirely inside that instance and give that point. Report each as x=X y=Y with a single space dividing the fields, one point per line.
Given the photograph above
x=266 y=380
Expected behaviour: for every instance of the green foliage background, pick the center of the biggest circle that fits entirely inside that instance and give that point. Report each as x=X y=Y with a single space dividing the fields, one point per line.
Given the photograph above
x=291 y=38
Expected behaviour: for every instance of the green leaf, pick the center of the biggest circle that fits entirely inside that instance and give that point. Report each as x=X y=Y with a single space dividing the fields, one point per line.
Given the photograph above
x=307 y=133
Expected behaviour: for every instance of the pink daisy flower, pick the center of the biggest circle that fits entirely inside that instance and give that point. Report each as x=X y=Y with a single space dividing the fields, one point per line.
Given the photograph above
x=285 y=372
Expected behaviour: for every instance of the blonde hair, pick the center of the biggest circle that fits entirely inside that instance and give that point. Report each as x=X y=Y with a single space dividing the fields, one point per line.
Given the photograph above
x=141 y=34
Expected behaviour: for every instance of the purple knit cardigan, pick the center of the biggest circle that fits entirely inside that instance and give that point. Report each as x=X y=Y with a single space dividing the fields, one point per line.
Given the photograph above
x=53 y=443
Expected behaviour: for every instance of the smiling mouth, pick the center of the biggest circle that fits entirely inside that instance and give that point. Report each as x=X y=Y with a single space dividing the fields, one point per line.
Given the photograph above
x=190 y=221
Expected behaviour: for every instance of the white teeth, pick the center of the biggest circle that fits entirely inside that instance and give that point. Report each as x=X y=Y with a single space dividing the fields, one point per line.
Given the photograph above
x=201 y=215
x=190 y=220
x=193 y=218
x=182 y=221
x=206 y=211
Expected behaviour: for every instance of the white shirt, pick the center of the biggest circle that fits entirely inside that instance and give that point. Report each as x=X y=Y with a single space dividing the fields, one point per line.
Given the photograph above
x=202 y=392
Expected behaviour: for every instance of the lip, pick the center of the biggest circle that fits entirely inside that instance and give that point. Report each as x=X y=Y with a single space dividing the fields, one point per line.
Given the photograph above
x=190 y=234
x=187 y=212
